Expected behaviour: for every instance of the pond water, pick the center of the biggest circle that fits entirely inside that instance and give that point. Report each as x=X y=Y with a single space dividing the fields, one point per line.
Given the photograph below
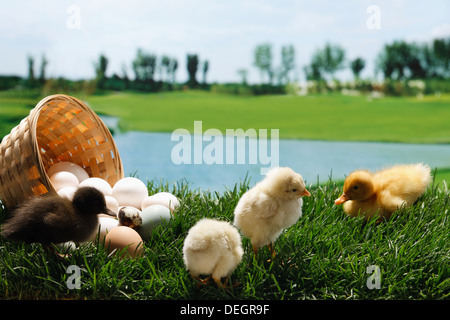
x=150 y=157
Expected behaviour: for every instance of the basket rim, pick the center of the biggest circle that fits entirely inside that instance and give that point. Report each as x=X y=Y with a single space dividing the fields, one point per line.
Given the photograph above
x=33 y=119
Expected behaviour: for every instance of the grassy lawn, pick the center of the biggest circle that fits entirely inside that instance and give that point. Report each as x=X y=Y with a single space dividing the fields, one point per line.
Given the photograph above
x=325 y=117
x=12 y=111
x=325 y=255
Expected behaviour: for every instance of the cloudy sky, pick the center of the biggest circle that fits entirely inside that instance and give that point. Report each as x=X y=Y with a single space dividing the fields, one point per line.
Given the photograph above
x=72 y=34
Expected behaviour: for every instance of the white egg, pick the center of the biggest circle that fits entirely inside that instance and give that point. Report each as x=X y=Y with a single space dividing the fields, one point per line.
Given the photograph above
x=98 y=183
x=105 y=225
x=162 y=198
x=65 y=247
x=130 y=192
x=153 y=216
x=78 y=171
x=112 y=204
x=63 y=179
x=67 y=192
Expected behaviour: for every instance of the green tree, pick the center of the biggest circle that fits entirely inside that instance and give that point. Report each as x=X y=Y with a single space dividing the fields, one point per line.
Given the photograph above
x=325 y=61
x=144 y=66
x=192 y=67
x=263 y=60
x=243 y=74
x=44 y=63
x=287 y=62
x=31 y=80
x=441 y=52
x=402 y=61
x=394 y=60
x=205 y=70
x=165 y=64
x=125 y=78
x=173 y=69
x=331 y=59
x=357 y=66
x=313 y=72
x=100 y=71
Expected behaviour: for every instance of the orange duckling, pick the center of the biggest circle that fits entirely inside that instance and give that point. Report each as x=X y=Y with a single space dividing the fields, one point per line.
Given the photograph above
x=385 y=191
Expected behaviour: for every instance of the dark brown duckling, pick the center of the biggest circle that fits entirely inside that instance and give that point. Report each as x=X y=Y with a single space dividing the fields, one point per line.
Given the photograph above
x=54 y=219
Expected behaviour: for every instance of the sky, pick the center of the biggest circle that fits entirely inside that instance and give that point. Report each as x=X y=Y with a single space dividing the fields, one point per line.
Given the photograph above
x=72 y=34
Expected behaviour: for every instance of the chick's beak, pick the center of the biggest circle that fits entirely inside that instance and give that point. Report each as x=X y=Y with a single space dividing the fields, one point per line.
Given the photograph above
x=305 y=193
x=341 y=199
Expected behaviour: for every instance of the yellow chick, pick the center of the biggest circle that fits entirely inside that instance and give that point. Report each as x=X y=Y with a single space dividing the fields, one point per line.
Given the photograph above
x=213 y=248
x=273 y=204
x=384 y=191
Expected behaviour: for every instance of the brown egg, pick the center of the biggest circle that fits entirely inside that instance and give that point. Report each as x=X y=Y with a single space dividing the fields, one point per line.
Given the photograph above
x=122 y=237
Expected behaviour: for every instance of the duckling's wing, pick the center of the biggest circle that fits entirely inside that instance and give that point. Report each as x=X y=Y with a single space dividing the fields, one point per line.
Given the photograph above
x=390 y=202
x=406 y=182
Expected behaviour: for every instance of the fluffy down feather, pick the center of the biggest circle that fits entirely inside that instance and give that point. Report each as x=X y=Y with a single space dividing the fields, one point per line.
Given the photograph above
x=53 y=219
x=273 y=204
x=213 y=248
x=383 y=192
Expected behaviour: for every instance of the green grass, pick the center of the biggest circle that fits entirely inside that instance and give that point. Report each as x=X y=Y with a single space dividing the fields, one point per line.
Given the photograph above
x=443 y=174
x=12 y=111
x=325 y=255
x=323 y=117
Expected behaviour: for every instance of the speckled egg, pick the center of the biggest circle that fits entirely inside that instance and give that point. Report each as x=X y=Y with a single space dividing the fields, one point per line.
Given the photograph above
x=129 y=217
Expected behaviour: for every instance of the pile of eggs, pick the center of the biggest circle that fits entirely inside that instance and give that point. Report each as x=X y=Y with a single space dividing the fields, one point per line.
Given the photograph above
x=137 y=212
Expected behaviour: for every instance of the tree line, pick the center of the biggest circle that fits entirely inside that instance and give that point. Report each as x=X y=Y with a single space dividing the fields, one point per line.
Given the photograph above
x=398 y=61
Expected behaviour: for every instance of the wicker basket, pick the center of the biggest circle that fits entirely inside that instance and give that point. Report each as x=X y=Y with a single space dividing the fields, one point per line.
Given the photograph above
x=59 y=128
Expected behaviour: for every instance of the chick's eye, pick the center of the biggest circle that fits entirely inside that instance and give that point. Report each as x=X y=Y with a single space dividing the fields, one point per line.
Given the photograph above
x=294 y=190
x=355 y=187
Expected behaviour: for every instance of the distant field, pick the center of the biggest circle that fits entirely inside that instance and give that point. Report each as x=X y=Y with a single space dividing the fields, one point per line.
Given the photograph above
x=325 y=117
x=12 y=111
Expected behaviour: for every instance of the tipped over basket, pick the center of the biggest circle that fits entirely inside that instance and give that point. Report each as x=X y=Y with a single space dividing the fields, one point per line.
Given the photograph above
x=59 y=128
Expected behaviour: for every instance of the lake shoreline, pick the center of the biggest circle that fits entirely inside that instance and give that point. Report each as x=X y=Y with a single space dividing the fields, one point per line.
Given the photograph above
x=150 y=156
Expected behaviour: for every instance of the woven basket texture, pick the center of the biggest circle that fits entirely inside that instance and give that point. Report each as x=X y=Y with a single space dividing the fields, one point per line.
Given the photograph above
x=59 y=128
